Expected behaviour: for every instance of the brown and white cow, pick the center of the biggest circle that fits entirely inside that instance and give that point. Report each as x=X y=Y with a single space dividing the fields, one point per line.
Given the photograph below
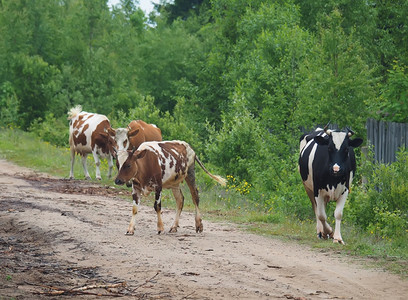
x=88 y=133
x=133 y=136
x=155 y=166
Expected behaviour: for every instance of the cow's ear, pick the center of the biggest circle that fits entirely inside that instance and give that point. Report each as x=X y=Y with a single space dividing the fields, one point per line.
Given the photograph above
x=133 y=132
x=356 y=142
x=140 y=154
x=321 y=140
x=111 y=131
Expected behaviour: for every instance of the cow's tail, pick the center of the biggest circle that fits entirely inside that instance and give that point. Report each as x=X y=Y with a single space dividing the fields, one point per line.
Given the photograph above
x=73 y=112
x=217 y=178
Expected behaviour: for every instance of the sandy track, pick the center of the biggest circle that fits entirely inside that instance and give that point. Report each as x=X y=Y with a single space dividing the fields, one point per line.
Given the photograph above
x=56 y=235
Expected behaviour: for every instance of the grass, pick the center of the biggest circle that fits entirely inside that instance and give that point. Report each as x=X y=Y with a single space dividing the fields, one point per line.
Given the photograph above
x=217 y=204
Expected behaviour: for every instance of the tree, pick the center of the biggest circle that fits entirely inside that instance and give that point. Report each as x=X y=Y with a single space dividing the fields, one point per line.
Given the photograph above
x=166 y=55
x=392 y=104
x=337 y=82
x=35 y=82
x=181 y=9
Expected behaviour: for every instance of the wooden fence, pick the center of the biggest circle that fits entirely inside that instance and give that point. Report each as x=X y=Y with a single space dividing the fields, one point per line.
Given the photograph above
x=387 y=138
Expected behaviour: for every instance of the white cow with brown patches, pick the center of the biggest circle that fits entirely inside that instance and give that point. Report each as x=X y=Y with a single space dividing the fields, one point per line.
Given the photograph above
x=88 y=133
x=155 y=166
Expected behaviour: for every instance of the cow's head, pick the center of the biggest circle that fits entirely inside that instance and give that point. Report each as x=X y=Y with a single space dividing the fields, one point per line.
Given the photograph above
x=338 y=146
x=122 y=136
x=128 y=166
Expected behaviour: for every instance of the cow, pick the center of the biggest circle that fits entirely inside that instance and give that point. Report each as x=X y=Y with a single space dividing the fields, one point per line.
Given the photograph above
x=155 y=166
x=135 y=134
x=88 y=133
x=327 y=165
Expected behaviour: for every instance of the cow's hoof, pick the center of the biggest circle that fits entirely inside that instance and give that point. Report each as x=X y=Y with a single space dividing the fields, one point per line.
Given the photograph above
x=129 y=233
x=199 y=229
x=173 y=230
x=98 y=178
x=88 y=178
x=336 y=241
x=159 y=231
x=324 y=236
x=71 y=177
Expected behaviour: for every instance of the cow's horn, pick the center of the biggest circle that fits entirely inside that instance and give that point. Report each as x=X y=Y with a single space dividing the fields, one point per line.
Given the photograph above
x=349 y=132
x=327 y=130
x=134 y=150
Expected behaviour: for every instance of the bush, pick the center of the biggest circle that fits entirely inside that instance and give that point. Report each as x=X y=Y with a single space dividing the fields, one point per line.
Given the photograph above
x=238 y=146
x=172 y=127
x=380 y=206
x=9 y=104
x=52 y=130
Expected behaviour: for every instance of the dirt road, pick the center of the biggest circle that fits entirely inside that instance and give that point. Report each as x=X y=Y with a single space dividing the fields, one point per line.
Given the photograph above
x=60 y=237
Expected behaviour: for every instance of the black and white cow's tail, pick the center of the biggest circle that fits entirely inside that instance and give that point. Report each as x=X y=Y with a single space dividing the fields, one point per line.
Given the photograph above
x=217 y=178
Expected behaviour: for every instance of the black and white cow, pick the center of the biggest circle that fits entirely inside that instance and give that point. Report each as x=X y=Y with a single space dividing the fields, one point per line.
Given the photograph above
x=327 y=164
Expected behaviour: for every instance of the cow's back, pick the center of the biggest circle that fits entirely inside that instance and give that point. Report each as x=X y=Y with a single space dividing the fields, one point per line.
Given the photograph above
x=147 y=133
x=309 y=149
x=173 y=157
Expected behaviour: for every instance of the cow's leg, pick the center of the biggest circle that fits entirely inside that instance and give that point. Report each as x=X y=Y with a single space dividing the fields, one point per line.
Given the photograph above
x=179 y=203
x=84 y=165
x=157 y=208
x=110 y=165
x=190 y=179
x=325 y=230
x=97 y=164
x=71 y=173
x=319 y=225
x=338 y=214
x=136 y=201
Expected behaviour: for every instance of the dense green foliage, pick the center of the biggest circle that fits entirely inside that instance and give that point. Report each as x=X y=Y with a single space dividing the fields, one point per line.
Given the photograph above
x=236 y=79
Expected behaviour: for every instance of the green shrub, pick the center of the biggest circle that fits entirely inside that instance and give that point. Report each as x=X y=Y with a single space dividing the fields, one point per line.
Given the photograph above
x=9 y=104
x=380 y=206
x=172 y=126
x=52 y=130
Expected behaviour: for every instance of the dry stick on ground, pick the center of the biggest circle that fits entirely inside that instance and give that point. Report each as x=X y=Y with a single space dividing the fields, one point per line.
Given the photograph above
x=81 y=290
x=147 y=281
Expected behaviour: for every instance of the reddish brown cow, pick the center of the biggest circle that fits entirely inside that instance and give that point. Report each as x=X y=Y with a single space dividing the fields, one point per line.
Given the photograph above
x=88 y=133
x=135 y=134
x=162 y=165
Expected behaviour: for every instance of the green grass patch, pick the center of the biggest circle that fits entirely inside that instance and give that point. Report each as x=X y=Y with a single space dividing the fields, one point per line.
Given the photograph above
x=25 y=149
x=221 y=205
